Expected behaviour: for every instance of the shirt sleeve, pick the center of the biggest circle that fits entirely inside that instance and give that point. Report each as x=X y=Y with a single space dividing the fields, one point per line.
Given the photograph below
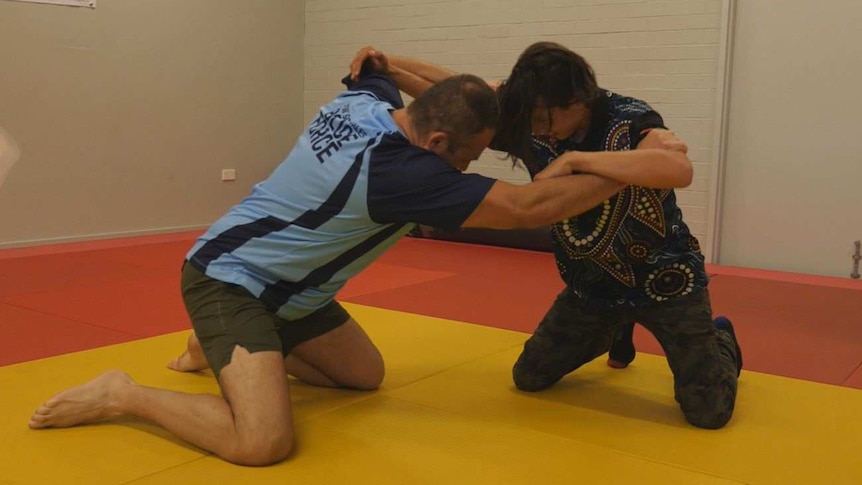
x=417 y=186
x=641 y=124
x=380 y=85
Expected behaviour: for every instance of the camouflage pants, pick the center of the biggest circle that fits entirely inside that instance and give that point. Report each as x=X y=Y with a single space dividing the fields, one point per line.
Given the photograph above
x=701 y=357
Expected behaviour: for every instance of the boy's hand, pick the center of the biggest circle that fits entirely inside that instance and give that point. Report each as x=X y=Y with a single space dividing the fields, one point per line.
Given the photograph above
x=379 y=61
x=563 y=165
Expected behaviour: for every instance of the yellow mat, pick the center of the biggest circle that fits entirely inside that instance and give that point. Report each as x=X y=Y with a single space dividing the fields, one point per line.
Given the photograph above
x=448 y=414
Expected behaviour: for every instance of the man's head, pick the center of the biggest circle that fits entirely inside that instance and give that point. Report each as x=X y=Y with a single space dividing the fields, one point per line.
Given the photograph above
x=455 y=119
x=548 y=93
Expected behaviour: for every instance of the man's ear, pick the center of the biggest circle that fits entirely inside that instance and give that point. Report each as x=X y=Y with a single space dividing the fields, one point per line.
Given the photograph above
x=437 y=142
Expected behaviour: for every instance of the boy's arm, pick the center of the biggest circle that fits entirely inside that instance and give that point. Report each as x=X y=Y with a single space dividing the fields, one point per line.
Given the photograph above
x=413 y=76
x=659 y=162
x=408 y=82
x=426 y=70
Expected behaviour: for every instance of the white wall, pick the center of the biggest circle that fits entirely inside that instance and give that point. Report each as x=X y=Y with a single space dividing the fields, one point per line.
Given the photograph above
x=793 y=184
x=665 y=52
x=126 y=114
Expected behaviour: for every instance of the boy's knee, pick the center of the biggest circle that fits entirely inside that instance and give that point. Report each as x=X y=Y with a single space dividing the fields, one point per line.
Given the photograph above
x=709 y=418
x=528 y=378
x=525 y=381
x=709 y=408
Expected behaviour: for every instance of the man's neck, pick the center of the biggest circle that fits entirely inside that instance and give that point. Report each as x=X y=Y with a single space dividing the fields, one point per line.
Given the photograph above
x=403 y=121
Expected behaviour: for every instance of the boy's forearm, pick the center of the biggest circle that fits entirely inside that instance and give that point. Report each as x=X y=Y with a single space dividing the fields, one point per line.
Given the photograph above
x=425 y=70
x=654 y=168
x=408 y=82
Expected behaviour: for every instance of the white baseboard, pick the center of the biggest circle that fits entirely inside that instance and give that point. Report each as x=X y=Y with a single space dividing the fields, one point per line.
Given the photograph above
x=107 y=235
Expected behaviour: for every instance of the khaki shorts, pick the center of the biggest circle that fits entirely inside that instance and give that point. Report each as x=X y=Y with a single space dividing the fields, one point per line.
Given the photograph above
x=225 y=315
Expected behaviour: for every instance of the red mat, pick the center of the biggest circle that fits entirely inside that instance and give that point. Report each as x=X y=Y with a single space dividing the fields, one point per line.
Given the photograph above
x=855 y=380
x=495 y=302
x=791 y=329
x=380 y=277
x=164 y=258
x=60 y=271
x=143 y=308
x=28 y=335
x=472 y=260
x=55 y=302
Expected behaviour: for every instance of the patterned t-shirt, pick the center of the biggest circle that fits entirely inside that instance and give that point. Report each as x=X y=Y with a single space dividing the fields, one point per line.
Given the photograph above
x=634 y=248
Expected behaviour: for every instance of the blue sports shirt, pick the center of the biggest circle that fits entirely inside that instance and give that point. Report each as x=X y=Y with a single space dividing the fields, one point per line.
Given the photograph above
x=350 y=188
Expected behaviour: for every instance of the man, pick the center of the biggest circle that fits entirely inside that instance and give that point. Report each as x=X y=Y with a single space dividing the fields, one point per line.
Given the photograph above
x=260 y=284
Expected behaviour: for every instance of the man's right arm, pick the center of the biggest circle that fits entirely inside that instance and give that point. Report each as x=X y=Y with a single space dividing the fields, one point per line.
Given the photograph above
x=508 y=206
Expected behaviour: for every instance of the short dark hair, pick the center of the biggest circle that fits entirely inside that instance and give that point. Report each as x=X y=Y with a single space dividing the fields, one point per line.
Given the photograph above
x=546 y=74
x=461 y=106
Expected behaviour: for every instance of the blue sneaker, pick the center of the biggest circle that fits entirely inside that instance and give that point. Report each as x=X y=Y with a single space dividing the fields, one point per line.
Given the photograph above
x=723 y=323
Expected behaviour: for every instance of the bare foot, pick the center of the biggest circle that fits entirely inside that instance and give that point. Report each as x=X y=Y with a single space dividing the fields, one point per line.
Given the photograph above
x=87 y=403
x=193 y=359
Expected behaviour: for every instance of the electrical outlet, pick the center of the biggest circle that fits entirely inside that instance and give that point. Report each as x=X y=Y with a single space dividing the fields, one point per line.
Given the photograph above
x=228 y=174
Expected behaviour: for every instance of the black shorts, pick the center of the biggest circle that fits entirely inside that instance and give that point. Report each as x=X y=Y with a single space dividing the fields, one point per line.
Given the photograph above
x=225 y=315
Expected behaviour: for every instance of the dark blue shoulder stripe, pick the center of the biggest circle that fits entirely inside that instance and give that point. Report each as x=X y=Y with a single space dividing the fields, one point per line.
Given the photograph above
x=276 y=295
x=233 y=238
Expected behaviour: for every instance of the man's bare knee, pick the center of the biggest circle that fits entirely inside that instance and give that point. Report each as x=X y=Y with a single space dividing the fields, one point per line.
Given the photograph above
x=346 y=356
x=370 y=378
x=261 y=450
x=256 y=390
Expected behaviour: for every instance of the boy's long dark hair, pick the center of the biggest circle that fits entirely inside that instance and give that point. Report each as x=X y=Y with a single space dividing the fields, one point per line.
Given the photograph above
x=548 y=75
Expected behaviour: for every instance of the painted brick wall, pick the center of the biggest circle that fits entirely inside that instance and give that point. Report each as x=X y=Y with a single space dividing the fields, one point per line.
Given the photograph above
x=664 y=52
